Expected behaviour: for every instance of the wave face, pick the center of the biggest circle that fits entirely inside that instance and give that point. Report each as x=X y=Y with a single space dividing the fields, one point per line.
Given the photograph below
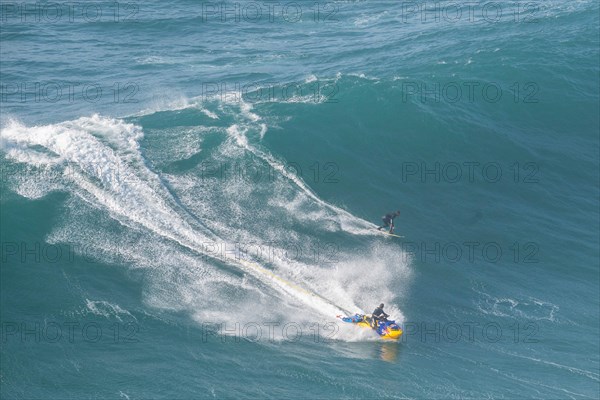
x=211 y=204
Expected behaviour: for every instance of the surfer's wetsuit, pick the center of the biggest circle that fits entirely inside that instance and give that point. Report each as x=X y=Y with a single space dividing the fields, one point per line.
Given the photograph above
x=388 y=221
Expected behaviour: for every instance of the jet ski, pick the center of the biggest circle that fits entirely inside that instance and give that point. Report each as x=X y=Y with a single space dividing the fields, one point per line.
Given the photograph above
x=386 y=329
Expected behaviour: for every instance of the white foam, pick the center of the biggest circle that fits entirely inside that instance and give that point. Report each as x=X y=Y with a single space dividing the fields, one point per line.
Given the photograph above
x=347 y=221
x=528 y=308
x=107 y=309
x=101 y=164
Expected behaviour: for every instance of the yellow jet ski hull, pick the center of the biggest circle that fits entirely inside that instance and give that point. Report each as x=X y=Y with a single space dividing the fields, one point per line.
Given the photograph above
x=387 y=329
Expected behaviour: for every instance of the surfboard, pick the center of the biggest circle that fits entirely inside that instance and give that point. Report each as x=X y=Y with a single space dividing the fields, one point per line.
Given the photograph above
x=389 y=234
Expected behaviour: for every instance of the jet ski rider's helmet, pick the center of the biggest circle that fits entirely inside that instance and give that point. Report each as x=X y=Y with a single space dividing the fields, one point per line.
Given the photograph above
x=381 y=305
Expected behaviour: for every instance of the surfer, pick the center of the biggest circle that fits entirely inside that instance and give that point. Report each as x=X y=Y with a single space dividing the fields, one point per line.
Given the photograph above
x=388 y=221
x=379 y=316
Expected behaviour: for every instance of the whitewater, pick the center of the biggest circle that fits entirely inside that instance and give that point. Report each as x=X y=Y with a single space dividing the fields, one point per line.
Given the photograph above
x=190 y=192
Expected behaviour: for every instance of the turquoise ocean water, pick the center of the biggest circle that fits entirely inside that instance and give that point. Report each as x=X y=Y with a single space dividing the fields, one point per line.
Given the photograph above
x=190 y=190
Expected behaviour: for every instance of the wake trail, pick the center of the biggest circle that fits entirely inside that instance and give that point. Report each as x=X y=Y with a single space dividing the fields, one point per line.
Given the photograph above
x=354 y=225
x=117 y=179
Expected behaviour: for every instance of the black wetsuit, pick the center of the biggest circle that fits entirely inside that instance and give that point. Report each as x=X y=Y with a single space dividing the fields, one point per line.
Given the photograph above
x=388 y=221
x=378 y=315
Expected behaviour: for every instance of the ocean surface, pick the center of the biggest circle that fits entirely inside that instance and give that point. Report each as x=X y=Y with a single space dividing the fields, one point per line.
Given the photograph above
x=190 y=192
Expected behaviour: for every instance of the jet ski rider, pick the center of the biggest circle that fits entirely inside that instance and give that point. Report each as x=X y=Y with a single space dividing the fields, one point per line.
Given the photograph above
x=379 y=316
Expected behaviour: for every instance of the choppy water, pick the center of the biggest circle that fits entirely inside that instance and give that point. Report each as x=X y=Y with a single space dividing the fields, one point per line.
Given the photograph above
x=189 y=192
